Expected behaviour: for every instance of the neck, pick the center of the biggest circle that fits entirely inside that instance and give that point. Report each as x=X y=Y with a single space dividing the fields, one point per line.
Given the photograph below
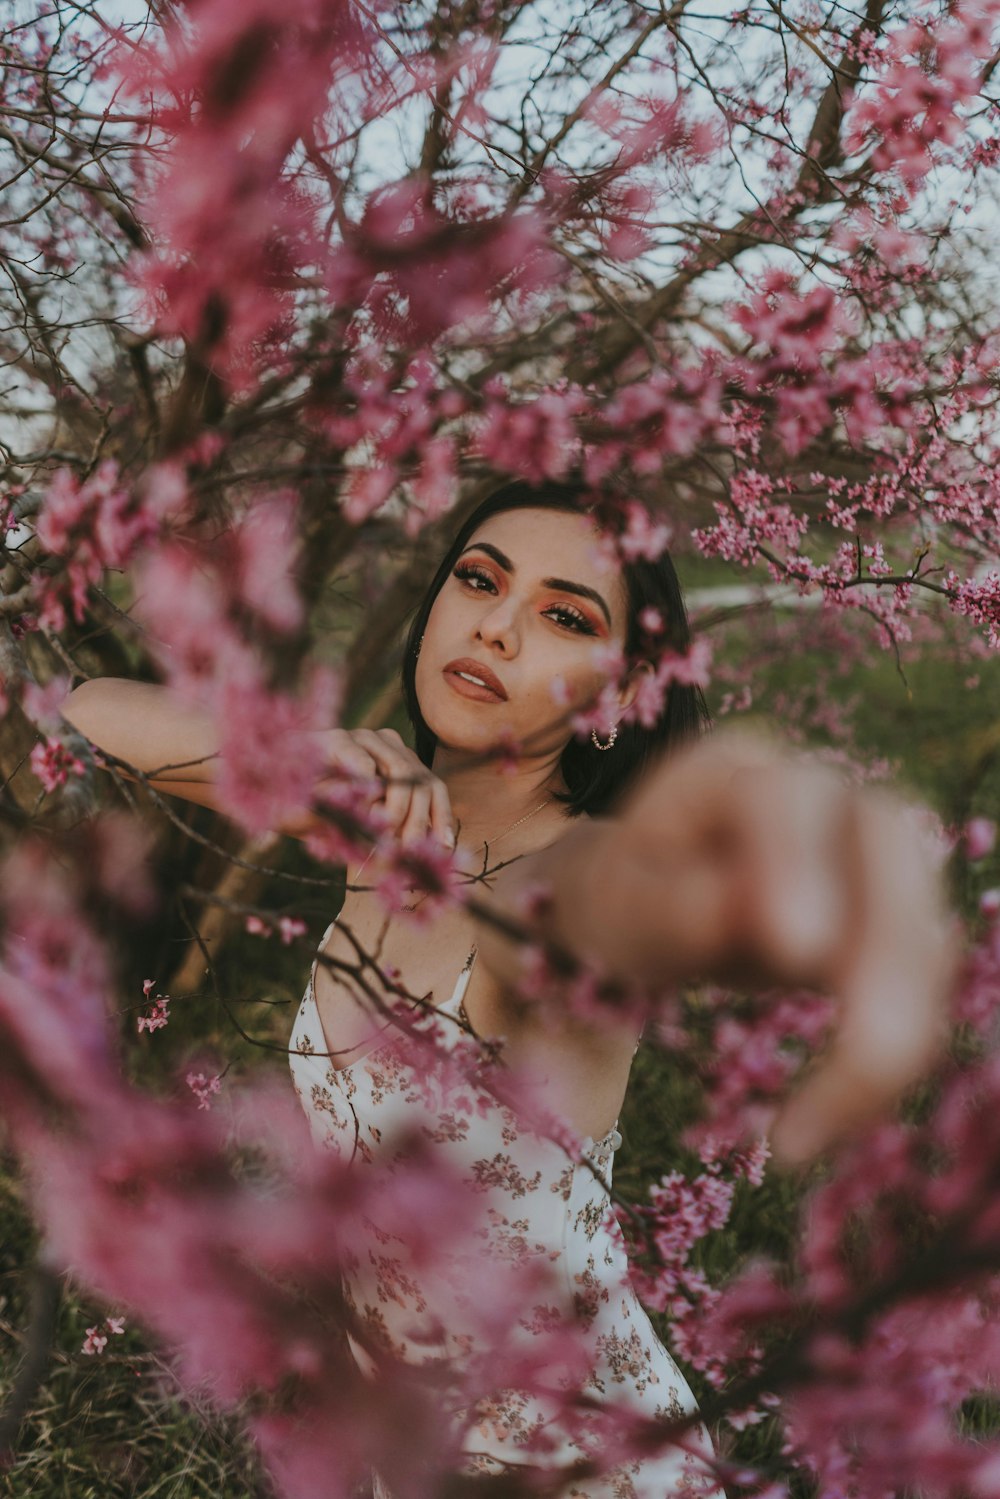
x=487 y=796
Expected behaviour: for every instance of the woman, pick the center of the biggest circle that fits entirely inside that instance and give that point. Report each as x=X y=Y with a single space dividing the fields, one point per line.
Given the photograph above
x=725 y=861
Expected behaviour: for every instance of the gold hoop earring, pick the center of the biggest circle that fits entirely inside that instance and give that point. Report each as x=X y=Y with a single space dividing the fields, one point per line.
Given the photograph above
x=611 y=738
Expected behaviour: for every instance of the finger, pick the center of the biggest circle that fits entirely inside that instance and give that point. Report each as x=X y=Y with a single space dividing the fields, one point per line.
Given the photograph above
x=792 y=886
x=393 y=737
x=407 y=773
x=688 y=783
x=417 y=819
x=662 y=914
x=896 y=966
x=346 y=755
x=736 y=884
x=442 y=820
x=359 y=769
x=397 y=774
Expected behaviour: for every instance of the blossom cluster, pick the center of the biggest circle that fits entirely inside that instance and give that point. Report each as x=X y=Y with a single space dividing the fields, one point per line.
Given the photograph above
x=92 y=526
x=237 y=596
x=96 y=1341
x=931 y=68
x=140 y=1181
x=203 y=1087
x=159 y=1015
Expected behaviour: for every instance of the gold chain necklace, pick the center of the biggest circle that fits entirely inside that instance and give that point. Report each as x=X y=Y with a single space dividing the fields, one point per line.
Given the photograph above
x=488 y=844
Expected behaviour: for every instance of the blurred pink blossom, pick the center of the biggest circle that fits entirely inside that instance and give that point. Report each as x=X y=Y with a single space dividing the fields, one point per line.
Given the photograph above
x=52 y=762
x=203 y=1087
x=980 y=835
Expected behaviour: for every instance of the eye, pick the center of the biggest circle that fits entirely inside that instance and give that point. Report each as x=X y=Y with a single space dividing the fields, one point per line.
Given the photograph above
x=572 y=619
x=564 y=615
x=468 y=571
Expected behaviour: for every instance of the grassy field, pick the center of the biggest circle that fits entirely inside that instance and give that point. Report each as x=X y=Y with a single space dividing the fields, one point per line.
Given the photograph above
x=114 y=1425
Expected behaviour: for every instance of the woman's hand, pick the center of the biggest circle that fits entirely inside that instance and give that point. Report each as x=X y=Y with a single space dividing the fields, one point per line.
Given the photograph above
x=738 y=862
x=415 y=801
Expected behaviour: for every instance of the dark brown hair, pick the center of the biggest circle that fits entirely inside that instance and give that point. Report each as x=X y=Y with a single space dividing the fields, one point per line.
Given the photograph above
x=595 y=778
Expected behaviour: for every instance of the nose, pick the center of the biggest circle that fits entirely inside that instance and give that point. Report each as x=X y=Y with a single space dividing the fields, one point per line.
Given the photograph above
x=498 y=628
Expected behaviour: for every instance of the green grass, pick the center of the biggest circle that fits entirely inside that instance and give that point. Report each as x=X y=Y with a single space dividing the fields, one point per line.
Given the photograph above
x=111 y=1425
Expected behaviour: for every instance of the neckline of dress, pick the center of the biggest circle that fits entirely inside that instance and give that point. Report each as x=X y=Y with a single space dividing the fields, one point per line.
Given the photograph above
x=327 y=1054
x=588 y=1145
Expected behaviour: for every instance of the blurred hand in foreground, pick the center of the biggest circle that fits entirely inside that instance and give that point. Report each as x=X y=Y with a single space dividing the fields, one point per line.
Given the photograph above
x=739 y=862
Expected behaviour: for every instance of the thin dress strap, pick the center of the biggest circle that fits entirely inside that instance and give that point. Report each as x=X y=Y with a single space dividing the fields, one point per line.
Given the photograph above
x=457 y=999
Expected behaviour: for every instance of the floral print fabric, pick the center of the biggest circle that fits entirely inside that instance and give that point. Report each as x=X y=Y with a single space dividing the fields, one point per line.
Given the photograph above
x=541 y=1214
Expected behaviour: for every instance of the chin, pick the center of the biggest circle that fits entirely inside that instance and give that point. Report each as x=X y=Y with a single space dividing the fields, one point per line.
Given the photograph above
x=478 y=726
x=458 y=734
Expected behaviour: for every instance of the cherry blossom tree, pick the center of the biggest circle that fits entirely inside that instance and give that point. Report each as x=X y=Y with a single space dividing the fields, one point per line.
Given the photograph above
x=286 y=289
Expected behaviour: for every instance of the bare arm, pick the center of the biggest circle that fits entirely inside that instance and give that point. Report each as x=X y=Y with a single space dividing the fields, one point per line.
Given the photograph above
x=176 y=746
x=173 y=743
x=738 y=862
x=149 y=728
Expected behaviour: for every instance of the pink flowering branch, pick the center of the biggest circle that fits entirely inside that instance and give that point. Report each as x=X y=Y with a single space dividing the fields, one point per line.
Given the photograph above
x=687 y=267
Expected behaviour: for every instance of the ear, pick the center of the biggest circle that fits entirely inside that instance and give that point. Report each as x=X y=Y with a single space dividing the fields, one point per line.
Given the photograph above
x=627 y=693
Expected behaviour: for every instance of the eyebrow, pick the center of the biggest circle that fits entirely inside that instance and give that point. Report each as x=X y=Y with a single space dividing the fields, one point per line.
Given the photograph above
x=562 y=585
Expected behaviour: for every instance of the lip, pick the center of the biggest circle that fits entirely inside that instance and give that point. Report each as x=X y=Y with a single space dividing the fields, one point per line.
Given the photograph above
x=492 y=692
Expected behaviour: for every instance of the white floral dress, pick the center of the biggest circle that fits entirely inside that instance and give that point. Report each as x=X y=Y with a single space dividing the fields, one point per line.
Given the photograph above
x=542 y=1211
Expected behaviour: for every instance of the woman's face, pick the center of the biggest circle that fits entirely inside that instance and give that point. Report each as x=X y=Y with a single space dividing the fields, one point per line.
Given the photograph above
x=534 y=602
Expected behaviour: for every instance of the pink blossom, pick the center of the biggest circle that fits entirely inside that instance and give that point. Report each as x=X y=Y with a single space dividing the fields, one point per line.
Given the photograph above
x=165 y=491
x=95 y=1342
x=203 y=1087
x=930 y=72
x=425 y=865
x=980 y=835
x=538 y=441
x=643 y=536
x=93 y=525
x=270 y=755
x=647 y=421
x=44 y=705
x=803 y=412
x=437 y=272
x=979 y=598
x=354 y=820
x=159 y=1014
x=691 y=670
x=185 y=610
x=52 y=763
x=229 y=229
x=368 y=491
x=266 y=552
x=795 y=328
x=752 y=519
x=600 y=716
x=435 y=487
x=753 y=1058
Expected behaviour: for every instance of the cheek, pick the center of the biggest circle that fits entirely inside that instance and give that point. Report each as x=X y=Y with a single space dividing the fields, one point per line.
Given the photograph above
x=442 y=622
x=439 y=643
x=574 y=683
